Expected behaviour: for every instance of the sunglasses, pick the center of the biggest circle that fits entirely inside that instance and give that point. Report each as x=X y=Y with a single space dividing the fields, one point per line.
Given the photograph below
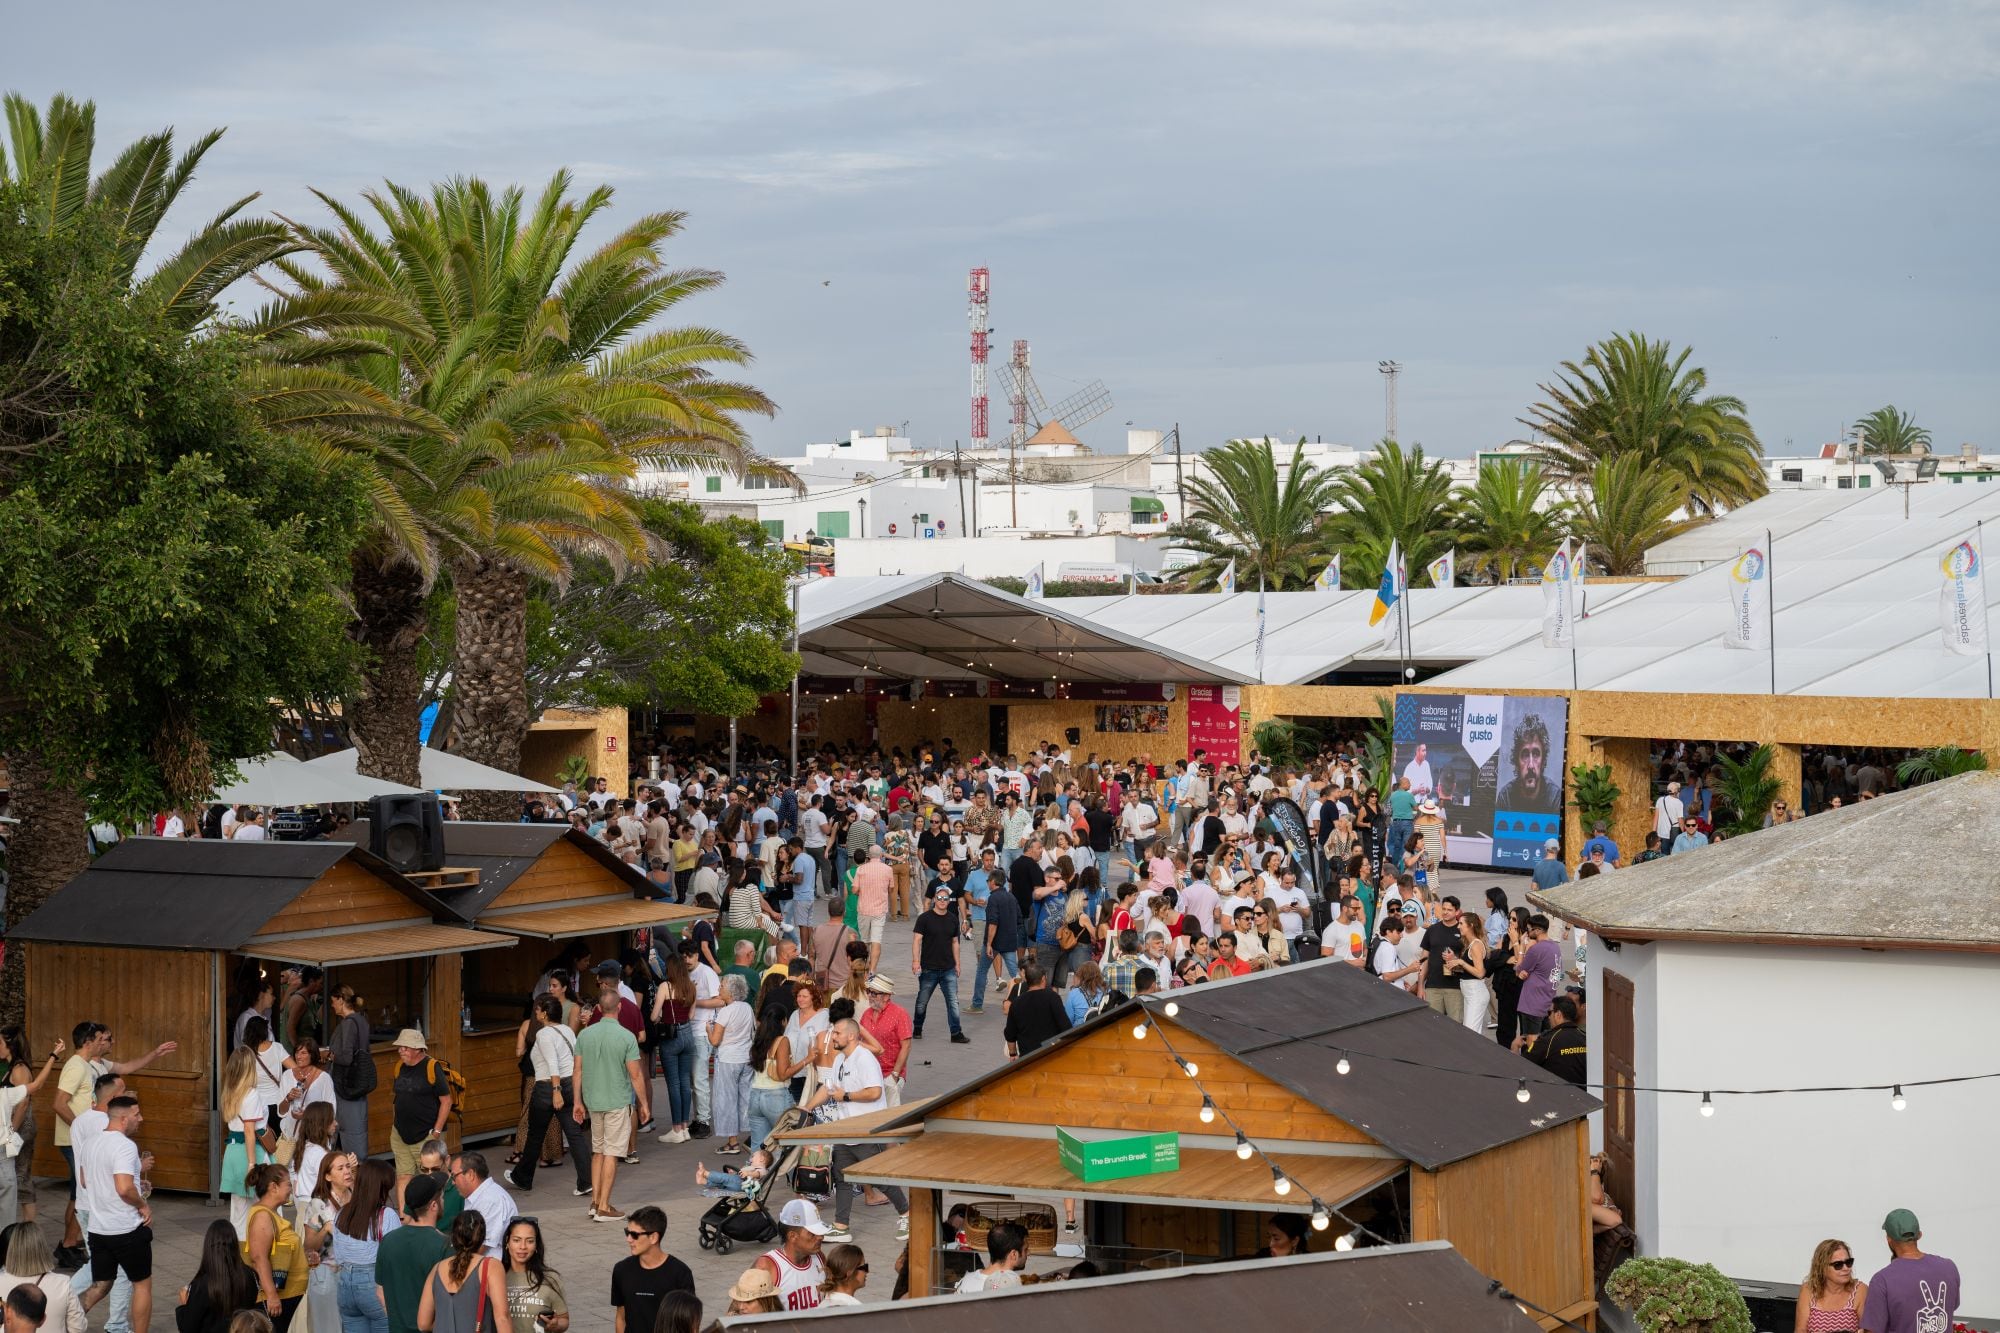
x=1840 y=1263
x=637 y=1235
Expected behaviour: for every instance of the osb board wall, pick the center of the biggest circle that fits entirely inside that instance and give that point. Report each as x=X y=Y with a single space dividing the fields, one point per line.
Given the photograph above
x=1357 y=702
x=910 y=725
x=602 y=738
x=1049 y=720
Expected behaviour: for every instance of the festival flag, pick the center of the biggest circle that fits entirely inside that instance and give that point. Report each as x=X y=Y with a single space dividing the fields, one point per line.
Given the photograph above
x=1962 y=599
x=1749 y=601
x=1260 y=630
x=1036 y=590
x=1227 y=583
x=1329 y=578
x=1578 y=567
x=1559 y=600
x=1387 y=593
x=1444 y=569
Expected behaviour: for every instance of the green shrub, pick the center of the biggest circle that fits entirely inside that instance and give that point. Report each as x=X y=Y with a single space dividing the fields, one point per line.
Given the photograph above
x=1675 y=1296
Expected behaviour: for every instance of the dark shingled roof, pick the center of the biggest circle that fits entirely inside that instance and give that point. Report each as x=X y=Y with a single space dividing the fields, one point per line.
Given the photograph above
x=172 y=893
x=1425 y=1288
x=501 y=853
x=1292 y=1026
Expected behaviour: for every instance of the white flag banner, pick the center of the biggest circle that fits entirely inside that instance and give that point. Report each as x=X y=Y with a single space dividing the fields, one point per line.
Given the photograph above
x=1227 y=583
x=1578 y=567
x=1749 y=601
x=1558 y=601
x=1389 y=601
x=1444 y=569
x=1329 y=578
x=1260 y=634
x=1962 y=599
x=1036 y=589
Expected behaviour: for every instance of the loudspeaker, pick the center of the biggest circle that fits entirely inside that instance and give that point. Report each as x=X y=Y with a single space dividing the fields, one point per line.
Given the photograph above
x=407 y=831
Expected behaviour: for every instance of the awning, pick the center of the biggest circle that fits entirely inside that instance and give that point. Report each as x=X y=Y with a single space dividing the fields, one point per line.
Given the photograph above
x=1146 y=504
x=861 y=1128
x=376 y=946
x=1208 y=1177
x=598 y=918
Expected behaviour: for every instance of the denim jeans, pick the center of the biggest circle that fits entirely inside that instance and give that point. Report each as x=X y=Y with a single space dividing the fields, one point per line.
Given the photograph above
x=677 y=1068
x=731 y=1090
x=762 y=1109
x=1398 y=839
x=1006 y=967
x=942 y=978
x=360 y=1312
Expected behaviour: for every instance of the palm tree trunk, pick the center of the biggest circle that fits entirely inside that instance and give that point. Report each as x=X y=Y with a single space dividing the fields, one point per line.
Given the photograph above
x=45 y=853
x=389 y=622
x=489 y=676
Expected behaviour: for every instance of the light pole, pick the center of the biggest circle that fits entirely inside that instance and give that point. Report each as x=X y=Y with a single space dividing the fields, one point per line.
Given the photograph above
x=797 y=667
x=1390 y=370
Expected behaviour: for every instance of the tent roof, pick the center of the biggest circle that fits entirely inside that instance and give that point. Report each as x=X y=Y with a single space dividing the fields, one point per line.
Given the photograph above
x=279 y=779
x=946 y=626
x=1856 y=613
x=1816 y=881
x=440 y=770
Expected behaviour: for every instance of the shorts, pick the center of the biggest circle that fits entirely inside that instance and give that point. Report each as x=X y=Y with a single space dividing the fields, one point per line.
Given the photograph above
x=131 y=1253
x=610 y=1131
x=405 y=1153
x=799 y=911
x=871 y=928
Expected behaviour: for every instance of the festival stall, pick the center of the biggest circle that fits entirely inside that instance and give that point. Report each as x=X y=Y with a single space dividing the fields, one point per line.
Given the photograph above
x=1174 y=1122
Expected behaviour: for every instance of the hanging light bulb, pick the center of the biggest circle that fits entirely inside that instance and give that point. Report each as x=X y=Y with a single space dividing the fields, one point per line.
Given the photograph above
x=1139 y=1030
x=1207 y=1110
x=1896 y=1098
x=1173 y=1008
x=1242 y=1146
x=1341 y=1066
x=1190 y=1068
x=1321 y=1219
x=1344 y=1241
x=1707 y=1104
x=1521 y=1092
x=1280 y=1182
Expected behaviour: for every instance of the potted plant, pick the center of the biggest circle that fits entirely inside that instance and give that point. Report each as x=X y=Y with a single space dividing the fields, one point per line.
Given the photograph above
x=1746 y=788
x=1675 y=1296
x=1593 y=793
x=574 y=769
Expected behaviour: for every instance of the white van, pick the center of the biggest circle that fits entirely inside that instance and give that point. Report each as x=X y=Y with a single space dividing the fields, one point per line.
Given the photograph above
x=1082 y=571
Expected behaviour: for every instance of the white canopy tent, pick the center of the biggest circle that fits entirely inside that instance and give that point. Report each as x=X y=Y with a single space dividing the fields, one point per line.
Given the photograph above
x=440 y=770
x=278 y=779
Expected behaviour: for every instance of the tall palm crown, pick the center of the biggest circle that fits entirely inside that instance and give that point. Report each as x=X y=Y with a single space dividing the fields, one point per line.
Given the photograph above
x=1240 y=510
x=1628 y=507
x=1889 y=431
x=1397 y=496
x=1633 y=396
x=1511 y=520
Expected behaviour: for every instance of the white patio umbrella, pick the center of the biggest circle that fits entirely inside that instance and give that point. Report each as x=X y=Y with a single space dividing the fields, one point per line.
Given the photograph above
x=441 y=770
x=279 y=779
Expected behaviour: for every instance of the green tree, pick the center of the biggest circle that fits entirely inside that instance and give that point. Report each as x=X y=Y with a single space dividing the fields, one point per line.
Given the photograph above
x=1510 y=521
x=1629 y=507
x=1239 y=510
x=170 y=566
x=1396 y=495
x=704 y=627
x=1939 y=762
x=1631 y=396
x=1888 y=431
x=1746 y=788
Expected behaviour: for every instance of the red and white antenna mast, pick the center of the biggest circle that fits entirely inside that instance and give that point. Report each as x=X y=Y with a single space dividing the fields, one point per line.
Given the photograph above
x=976 y=293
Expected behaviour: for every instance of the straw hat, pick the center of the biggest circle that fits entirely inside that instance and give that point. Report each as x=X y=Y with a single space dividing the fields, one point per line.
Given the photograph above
x=413 y=1039
x=754 y=1285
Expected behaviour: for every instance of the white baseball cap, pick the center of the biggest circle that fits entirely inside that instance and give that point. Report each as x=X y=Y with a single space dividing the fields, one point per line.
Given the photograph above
x=799 y=1213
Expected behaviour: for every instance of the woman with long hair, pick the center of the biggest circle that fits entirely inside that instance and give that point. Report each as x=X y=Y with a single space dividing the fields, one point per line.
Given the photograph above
x=271 y=1061
x=250 y=1137
x=465 y=1290
x=221 y=1285
x=1472 y=972
x=348 y=1049
x=846 y=1275
x=1832 y=1297
x=1085 y=990
x=770 y=1094
x=680 y=1312
x=535 y=1299
x=368 y=1215
x=552 y=1141
x=25 y=1258
x=272 y=1248
x=1501 y=962
x=674 y=1041
x=315 y=1141
x=21 y=1074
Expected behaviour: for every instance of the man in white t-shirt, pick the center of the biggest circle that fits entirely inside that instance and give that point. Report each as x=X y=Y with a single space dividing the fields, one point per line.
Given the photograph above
x=121 y=1230
x=1667 y=814
x=1141 y=823
x=1293 y=906
x=707 y=999
x=1389 y=963
x=854 y=1086
x=1418 y=773
x=251 y=829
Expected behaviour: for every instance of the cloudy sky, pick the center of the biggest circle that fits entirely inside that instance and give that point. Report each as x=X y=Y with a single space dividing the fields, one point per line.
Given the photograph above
x=1228 y=213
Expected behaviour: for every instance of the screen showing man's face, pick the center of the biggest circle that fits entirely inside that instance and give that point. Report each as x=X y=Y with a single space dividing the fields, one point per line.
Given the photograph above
x=1529 y=758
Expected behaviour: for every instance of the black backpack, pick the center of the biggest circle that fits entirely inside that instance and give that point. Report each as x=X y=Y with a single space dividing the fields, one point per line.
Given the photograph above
x=1369 y=962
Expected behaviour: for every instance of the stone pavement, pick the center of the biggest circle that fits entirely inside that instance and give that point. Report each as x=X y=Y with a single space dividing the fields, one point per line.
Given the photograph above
x=584 y=1252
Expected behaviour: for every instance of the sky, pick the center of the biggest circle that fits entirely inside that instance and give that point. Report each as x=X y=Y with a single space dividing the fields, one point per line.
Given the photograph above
x=1227 y=213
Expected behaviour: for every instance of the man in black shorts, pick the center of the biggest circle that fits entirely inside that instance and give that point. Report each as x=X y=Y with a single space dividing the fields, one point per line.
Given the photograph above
x=121 y=1225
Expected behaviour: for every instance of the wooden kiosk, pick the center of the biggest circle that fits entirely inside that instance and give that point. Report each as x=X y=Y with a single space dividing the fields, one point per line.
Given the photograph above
x=151 y=938
x=1423 y=1140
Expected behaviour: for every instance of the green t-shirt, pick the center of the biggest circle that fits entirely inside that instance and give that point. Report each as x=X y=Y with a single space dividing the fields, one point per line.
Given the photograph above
x=403 y=1261
x=752 y=978
x=1402 y=805
x=451 y=1204
x=850 y=912
x=604 y=1048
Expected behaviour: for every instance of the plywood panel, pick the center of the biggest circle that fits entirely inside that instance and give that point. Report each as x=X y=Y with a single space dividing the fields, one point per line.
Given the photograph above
x=1110 y=1080
x=146 y=997
x=562 y=872
x=493 y=1078
x=1516 y=1213
x=346 y=895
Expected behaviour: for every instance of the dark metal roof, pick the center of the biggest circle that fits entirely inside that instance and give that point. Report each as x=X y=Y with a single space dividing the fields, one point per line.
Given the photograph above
x=173 y=893
x=1425 y=1288
x=502 y=853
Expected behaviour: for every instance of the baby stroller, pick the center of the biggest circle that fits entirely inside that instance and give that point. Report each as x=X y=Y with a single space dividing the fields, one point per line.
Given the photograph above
x=744 y=1219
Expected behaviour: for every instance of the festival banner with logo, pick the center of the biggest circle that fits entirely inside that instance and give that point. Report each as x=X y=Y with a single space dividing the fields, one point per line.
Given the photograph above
x=1329 y=578
x=1215 y=722
x=1444 y=569
x=1750 y=601
x=1559 y=601
x=1962 y=599
x=1494 y=767
x=1036 y=588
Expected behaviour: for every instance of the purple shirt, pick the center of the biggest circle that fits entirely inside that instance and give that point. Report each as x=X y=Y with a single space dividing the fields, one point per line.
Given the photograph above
x=1543 y=964
x=1912 y=1296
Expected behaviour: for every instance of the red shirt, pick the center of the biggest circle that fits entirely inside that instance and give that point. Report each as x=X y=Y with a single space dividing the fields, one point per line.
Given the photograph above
x=1234 y=967
x=630 y=1019
x=891 y=1028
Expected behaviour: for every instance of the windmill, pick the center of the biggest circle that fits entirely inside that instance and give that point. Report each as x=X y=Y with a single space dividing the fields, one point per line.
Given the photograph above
x=1031 y=410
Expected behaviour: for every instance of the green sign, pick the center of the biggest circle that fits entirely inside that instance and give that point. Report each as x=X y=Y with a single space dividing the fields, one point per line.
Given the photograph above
x=1126 y=1155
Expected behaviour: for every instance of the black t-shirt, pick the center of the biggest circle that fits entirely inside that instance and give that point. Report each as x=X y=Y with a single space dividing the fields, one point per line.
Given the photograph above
x=1212 y=829
x=1437 y=938
x=933 y=844
x=1004 y=915
x=935 y=932
x=1563 y=1051
x=638 y=1290
x=1035 y=1017
x=1023 y=878
x=417 y=1099
x=1103 y=827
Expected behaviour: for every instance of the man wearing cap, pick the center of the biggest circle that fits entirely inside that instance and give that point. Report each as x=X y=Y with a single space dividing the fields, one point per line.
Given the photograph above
x=872 y=883
x=934 y=958
x=406 y=1256
x=854 y=1086
x=794 y=1267
x=1602 y=844
x=1667 y=813
x=889 y=1024
x=1550 y=871
x=422 y=1103
x=1916 y=1292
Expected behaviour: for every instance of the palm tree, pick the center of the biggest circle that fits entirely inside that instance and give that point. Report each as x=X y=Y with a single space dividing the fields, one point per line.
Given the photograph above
x=1628 y=507
x=1634 y=396
x=1888 y=431
x=1240 y=511
x=1943 y=761
x=1399 y=496
x=1747 y=789
x=1510 y=521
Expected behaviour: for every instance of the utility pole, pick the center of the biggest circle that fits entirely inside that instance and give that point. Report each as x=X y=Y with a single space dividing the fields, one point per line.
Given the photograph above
x=958 y=470
x=1180 y=482
x=1390 y=370
x=797 y=583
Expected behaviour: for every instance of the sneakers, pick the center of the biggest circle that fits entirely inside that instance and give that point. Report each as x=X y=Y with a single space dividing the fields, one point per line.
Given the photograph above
x=608 y=1215
x=916 y=1036
x=839 y=1236
x=674 y=1136
x=977 y=1009
x=960 y=1039
x=700 y=1129
x=507 y=1177
x=580 y=1191
x=646 y=1125
x=903 y=1227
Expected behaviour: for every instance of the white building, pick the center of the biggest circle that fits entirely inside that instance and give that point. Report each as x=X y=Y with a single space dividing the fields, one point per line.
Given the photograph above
x=1797 y=957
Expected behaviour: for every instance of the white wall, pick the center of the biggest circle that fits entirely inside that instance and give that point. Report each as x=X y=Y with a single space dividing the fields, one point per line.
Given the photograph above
x=991 y=556
x=1753 y=1188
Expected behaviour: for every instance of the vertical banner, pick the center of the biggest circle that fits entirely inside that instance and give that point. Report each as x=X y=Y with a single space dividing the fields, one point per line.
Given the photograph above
x=1393 y=587
x=1215 y=722
x=1036 y=590
x=1227 y=583
x=1558 y=601
x=1749 y=602
x=1962 y=599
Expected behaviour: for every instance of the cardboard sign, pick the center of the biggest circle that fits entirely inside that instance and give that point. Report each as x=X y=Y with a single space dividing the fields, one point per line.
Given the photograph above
x=1113 y=1159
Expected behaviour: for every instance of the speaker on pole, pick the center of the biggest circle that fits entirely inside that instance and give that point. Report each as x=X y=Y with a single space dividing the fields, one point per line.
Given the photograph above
x=407 y=831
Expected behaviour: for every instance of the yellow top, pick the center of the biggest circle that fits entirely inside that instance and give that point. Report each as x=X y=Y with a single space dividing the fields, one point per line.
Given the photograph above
x=288 y=1256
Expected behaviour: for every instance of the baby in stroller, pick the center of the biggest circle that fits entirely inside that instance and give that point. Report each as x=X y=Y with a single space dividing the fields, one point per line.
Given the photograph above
x=717 y=1183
